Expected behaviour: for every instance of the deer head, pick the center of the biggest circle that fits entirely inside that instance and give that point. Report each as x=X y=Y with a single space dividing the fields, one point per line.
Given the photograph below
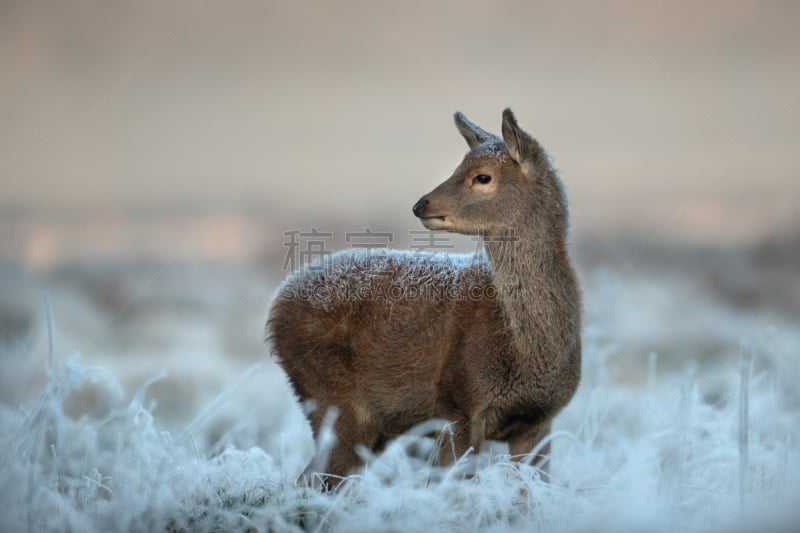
x=494 y=187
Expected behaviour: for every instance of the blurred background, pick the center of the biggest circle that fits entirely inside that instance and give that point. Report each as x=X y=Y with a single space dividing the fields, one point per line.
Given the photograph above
x=156 y=156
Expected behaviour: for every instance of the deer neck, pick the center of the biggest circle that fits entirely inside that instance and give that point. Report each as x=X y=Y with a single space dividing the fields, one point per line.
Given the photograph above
x=535 y=285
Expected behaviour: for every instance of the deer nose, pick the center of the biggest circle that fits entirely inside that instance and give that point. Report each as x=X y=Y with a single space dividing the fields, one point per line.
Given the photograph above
x=419 y=206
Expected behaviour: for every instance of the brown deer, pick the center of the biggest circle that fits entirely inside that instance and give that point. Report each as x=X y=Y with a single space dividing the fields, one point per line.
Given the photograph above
x=489 y=341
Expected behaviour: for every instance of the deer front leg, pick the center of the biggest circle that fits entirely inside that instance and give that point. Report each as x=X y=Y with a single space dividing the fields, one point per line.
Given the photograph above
x=523 y=442
x=463 y=435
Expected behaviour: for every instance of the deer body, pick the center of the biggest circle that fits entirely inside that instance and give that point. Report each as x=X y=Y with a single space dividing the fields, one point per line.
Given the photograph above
x=489 y=341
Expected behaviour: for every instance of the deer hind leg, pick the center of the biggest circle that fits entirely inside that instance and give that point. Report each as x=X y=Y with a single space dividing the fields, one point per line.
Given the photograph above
x=350 y=431
x=522 y=443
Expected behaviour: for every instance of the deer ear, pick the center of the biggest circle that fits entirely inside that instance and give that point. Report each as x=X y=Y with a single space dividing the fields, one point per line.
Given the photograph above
x=473 y=134
x=523 y=148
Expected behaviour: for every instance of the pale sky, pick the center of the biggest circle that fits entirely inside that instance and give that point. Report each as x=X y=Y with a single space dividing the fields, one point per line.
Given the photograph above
x=674 y=118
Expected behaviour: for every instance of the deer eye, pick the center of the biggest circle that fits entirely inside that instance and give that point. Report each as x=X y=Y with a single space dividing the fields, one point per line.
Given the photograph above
x=483 y=179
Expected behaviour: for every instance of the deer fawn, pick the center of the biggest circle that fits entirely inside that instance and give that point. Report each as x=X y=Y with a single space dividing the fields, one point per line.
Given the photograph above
x=489 y=341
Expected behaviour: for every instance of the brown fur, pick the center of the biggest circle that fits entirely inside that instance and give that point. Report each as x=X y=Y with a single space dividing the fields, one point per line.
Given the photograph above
x=489 y=341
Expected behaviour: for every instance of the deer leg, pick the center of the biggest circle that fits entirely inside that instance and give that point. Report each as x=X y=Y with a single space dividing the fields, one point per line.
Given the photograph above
x=343 y=457
x=522 y=444
x=454 y=444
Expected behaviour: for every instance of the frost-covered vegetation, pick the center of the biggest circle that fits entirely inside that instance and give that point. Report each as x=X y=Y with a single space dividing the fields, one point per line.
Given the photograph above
x=677 y=440
x=624 y=458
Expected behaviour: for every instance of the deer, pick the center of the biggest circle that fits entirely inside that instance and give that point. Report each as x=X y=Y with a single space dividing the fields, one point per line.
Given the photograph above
x=488 y=341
